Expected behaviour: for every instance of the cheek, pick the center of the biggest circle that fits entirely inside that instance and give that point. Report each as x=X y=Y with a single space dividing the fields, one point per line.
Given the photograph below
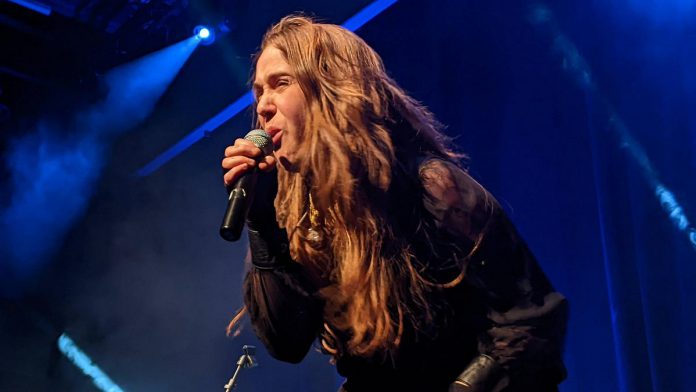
x=298 y=108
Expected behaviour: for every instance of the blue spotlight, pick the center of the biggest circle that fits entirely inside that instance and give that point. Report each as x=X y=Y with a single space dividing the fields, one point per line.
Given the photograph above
x=78 y=357
x=34 y=6
x=204 y=34
x=52 y=177
x=353 y=23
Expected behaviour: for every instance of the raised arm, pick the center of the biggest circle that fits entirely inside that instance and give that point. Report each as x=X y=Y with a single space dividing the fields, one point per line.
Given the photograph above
x=284 y=311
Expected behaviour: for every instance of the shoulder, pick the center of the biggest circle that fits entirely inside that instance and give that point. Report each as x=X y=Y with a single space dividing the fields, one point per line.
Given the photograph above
x=450 y=184
x=457 y=202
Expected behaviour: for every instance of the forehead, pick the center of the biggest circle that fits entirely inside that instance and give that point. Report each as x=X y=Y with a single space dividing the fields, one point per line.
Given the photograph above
x=270 y=62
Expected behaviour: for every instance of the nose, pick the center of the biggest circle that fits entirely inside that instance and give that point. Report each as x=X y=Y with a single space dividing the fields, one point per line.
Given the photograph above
x=265 y=108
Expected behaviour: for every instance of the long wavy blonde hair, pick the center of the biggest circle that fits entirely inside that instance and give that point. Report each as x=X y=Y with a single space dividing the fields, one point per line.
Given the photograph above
x=360 y=143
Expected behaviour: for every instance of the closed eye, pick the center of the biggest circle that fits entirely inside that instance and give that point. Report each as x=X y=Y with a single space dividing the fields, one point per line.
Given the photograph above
x=283 y=82
x=275 y=82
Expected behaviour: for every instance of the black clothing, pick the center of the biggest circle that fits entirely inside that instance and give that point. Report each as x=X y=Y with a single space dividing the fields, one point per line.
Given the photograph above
x=504 y=308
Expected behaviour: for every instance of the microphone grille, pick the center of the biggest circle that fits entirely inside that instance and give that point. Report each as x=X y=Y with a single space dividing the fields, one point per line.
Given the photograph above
x=261 y=139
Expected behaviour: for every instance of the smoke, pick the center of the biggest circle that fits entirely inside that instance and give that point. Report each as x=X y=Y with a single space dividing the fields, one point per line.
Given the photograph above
x=54 y=168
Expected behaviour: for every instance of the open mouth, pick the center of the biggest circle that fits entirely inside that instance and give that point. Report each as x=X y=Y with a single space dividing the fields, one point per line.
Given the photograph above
x=277 y=139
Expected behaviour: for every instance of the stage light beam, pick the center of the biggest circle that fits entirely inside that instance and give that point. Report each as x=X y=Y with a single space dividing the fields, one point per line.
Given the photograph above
x=52 y=176
x=80 y=359
x=353 y=23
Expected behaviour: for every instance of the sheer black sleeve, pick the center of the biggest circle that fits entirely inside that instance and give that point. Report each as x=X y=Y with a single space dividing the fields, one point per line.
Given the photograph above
x=285 y=316
x=526 y=316
x=280 y=298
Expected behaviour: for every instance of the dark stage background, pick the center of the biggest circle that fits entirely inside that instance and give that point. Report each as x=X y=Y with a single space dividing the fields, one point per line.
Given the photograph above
x=579 y=116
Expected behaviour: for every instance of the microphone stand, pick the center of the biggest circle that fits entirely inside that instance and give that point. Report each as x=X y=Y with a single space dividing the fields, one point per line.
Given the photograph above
x=247 y=360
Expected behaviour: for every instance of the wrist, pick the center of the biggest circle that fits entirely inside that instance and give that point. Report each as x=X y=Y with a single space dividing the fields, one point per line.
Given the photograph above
x=269 y=250
x=261 y=214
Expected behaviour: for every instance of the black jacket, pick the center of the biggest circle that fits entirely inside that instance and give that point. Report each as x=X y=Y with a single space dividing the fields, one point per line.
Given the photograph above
x=505 y=308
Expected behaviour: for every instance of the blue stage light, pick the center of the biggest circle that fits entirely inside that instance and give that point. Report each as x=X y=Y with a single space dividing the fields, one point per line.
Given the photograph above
x=49 y=161
x=353 y=23
x=204 y=34
x=78 y=357
x=34 y=6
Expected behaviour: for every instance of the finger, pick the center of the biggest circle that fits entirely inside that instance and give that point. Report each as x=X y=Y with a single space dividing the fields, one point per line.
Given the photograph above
x=246 y=145
x=268 y=163
x=243 y=147
x=229 y=151
x=241 y=141
x=233 y=174
x=250 y=151
x=229 y=163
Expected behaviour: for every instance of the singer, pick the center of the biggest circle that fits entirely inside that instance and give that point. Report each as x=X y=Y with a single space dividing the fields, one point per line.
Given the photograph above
x=367 y=234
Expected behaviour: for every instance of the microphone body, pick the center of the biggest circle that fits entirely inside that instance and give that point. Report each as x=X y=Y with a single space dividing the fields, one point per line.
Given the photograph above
x=242 y=192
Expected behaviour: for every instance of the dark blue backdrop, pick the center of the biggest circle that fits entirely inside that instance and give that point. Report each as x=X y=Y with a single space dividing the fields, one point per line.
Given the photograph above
x=537 y=95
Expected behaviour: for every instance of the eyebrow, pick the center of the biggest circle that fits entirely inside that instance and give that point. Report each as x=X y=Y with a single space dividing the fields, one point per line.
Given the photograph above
x=272 y=76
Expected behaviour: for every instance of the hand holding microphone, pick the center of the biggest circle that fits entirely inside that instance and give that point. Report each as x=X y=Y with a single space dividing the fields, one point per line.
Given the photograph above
x=242 y=162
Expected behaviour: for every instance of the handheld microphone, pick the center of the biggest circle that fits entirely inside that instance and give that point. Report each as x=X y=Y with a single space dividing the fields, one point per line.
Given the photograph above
x=243 y=190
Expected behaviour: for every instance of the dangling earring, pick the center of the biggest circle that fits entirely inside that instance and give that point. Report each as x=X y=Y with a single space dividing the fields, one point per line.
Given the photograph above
x=313 y=232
